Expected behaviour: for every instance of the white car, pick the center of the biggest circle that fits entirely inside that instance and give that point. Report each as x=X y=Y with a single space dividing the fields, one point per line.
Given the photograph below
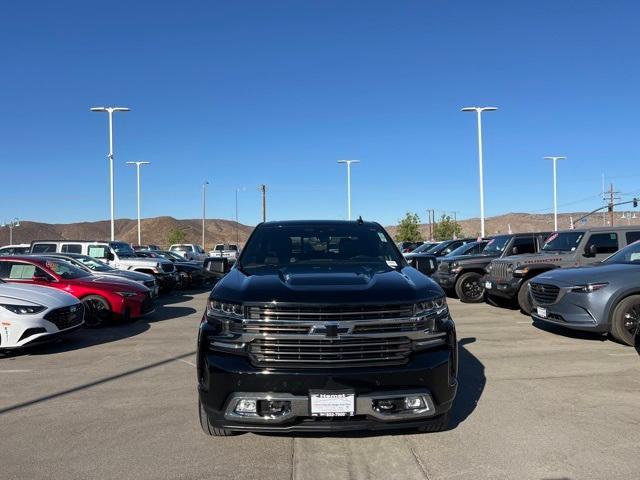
x=31 y=314
x=17 y=249
x=229 y=251
x=189 y=251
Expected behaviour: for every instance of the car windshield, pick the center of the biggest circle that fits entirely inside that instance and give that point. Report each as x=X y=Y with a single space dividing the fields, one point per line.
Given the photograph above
x=93 y=264
x=463 y=249
x=219 y=248
x=170 y=255
x=65 y=269
x=320 y=245
x=123 y=249
x=182 y=248
x=629 y=254
x=436 y=249
x=563 y=242
x=496 y=245
x=424 y=247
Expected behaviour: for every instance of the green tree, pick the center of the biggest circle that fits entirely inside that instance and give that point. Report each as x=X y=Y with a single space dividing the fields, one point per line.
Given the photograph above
x=176 y=235
x=409 y=228
x=446 y=228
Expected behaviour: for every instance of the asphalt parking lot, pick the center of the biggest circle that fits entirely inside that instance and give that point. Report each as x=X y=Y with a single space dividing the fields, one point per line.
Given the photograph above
x=120 y=402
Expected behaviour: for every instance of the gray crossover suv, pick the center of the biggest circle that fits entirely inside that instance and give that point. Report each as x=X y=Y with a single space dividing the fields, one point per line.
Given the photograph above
x=603 y=298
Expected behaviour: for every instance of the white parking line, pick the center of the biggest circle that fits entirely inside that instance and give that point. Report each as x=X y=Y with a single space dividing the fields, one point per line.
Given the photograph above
x=187 y=362
x=622 y=354
x=529 y=322
x=14 y=371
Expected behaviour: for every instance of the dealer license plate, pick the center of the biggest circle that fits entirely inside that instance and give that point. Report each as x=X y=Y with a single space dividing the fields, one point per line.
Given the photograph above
x=327 y=404
x=542 y=312
x=488 y=285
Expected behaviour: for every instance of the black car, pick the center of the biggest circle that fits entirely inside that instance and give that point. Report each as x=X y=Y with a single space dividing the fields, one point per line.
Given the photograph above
x=463 y=274
x=191 y=273
x=322 y=326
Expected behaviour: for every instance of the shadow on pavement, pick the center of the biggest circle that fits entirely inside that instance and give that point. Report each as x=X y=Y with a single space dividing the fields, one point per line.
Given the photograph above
x=471 y=382
x=566 y=332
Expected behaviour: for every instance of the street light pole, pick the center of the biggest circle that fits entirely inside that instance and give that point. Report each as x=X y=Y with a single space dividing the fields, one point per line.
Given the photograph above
x=204 y=208
x=555 y=190
x=137 y=164
x=479 y=111
x=110 y=111
x=349 y=162
x=237 y=233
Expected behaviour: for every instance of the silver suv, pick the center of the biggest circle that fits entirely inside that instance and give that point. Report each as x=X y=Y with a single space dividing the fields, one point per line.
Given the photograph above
x=509 y=277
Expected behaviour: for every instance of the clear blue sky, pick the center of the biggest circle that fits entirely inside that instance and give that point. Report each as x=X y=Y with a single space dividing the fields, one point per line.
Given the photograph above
x=248 y=92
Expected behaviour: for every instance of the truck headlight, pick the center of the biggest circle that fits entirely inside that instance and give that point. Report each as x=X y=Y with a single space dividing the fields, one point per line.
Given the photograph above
x=23 y=309
x=488 y=268
x=429 y=306
x=455 y=267
x=224 y=309
x=589 y=288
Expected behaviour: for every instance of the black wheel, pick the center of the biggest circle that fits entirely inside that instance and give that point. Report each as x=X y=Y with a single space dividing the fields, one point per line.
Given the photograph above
x=210 y=429
x=97 y=311
x=469 y=289
x=626 y=319
x=437 y=424
x=524 y=298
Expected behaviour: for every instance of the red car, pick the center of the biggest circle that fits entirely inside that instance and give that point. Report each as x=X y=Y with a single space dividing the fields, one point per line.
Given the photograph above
x=104 y=298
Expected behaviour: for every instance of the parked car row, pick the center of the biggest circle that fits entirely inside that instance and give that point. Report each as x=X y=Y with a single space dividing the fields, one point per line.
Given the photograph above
x=58 y=286
x=584 y=279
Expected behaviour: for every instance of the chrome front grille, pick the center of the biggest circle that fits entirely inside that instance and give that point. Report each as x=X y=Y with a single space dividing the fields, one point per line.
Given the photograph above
x=544 y=293
x=325 y=353
x=319 y=313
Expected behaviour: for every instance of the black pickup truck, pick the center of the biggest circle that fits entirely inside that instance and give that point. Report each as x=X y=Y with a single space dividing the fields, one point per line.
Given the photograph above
x=463 y=274
x=322 y=326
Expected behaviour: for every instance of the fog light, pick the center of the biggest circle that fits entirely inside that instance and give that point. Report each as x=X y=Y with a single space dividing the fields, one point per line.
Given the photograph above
x=385 y=405
x=246 y=406
x=414 y=403
x=272 y=407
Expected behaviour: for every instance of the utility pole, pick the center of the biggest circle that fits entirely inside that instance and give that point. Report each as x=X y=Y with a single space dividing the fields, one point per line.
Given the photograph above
x=204 y=210
x=263 y=190
x=612 y=199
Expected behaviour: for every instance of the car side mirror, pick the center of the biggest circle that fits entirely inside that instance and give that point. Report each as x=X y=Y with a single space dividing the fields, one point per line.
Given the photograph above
x=590 y=250
x=110 y=256
x=514 y=251
x=38 y=277
x=217 y=265
x=426 y=266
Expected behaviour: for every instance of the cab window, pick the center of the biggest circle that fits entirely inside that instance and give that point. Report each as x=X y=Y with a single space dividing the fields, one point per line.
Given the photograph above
x=604 y=242
x=71 y=248
x=44 y=248
x=525 y=245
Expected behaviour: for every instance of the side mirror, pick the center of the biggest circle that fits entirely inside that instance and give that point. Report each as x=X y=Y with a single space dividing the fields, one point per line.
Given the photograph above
x=217 y=265
x=590 y=250
x=514 y=251
x=38 y=277
x=110 y=256
x=426 y=266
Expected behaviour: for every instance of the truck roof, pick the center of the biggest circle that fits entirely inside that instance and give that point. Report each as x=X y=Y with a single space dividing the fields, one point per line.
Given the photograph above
x=318 y=222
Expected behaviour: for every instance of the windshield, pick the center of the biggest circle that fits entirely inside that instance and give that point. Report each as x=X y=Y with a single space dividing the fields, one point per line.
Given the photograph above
x=629 y=254
x=320 y=244
x=424 y=247
x=219 y=248
x=170 y=255
x=65 y=269
x=563 y=242
x=436 y=249
x=182 y=248
x=93 y=264
x=123 y=249
x=496 y=245
x=464 y=249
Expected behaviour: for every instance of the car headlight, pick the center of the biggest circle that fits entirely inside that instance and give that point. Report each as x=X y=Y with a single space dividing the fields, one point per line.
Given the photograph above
x=589 y=288
x=225 y=309
x=429 y=306
x=488 y=268
x=455 y=267
x=127 y=294
x=23 y=309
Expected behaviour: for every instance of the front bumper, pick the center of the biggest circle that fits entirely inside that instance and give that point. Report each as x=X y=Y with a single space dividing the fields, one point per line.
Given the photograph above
x=167 y=281
x=447 y=280
x=501 y=287
x=577 y=311
x=223 y=378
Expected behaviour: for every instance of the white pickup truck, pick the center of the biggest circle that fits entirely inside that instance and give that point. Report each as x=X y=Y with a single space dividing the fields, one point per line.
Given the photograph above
x=189 y=251
x=230 y=251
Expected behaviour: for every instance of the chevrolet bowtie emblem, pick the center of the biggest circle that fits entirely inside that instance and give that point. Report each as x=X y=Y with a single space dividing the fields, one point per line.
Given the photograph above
x=330 y=330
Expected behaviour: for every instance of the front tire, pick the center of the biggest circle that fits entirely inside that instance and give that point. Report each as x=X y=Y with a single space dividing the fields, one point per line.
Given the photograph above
x=98 y=311
x=210 y=429
x=625 y=320
x=469 y=288
x=524 y=298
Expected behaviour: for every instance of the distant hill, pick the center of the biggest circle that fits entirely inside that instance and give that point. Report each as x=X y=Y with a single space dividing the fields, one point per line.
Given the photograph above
x=527 y=222
x=154 y=230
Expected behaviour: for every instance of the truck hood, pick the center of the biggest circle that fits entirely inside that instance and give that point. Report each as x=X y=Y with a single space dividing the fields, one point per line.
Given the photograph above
x=327 y=284
x=566 y=277
x=46 y=296
x=461 y=258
